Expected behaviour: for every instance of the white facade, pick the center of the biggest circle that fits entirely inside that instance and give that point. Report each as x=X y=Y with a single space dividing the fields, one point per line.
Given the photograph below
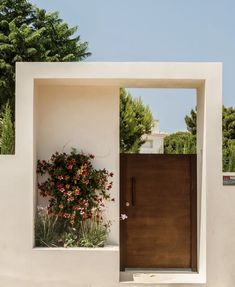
x=154 y=141
x=77 y=104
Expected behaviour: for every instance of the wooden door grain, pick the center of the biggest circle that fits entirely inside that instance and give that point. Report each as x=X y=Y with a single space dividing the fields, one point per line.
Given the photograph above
x=159 y=196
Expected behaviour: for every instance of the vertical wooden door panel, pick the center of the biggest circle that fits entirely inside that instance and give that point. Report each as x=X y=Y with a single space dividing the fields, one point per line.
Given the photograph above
x=160 y=230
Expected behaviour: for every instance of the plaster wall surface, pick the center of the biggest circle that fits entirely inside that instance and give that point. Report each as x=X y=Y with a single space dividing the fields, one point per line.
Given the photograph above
x=81 y=117
x=23 y=266
x=85 y=118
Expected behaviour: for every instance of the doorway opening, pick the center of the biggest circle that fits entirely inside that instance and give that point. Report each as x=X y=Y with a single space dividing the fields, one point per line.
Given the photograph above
x=158 y=180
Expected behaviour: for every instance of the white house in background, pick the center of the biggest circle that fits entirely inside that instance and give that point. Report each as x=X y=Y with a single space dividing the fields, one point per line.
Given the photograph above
x=155 y=140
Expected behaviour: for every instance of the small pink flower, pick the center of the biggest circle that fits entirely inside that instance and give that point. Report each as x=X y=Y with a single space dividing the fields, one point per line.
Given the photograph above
x=77 y=191
x=53 y=157
x=70 y=166
x=123 y=217
x=76 y=207
x=66 y=215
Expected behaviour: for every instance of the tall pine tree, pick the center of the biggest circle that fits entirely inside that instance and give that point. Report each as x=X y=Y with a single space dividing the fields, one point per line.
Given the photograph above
x=136 y=120
x=29 y=34
x=228 y=126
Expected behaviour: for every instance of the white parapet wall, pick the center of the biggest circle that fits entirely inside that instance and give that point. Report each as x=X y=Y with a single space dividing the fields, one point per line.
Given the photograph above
x=63 y=105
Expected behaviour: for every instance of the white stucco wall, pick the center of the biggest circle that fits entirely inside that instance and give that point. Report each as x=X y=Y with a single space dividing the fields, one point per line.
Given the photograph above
x=92 y=85
x=86 y=118
x=51 y=118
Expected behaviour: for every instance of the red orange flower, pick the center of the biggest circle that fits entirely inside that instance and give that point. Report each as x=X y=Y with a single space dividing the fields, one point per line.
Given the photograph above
x=73 y=185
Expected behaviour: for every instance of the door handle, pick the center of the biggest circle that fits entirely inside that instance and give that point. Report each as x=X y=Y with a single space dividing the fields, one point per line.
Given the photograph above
x=133 y=195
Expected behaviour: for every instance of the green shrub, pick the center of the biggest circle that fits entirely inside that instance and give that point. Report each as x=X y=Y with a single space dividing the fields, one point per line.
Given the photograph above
x=73 y=186
x=46 y=228
x=52 y=231
x=77 y=193
x=71 y=239
x=93 y=233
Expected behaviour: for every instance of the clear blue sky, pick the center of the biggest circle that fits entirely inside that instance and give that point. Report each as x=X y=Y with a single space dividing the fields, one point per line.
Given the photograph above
x=157 y=30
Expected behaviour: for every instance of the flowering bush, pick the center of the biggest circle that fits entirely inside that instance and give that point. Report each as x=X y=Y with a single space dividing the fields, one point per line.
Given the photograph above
x=52 y=231
x=76 y=190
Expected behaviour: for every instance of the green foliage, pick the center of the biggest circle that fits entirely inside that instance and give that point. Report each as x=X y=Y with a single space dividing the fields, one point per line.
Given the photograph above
x=228 y=122
x=46 y=226
x=93 y=233
x=228 y=139
x=53 y=231
x=180 y=143
x=136 y=120
x=29 y=34
x=70 y=239
x=231 y=166
x=229 y=155
x=228 y=125
x=191 y=122
x=74 y=187
x=77 y=195
x=225 y=155
x=7 y=131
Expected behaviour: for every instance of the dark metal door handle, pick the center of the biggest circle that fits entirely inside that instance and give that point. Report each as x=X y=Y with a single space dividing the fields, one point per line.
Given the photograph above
x=133 y=199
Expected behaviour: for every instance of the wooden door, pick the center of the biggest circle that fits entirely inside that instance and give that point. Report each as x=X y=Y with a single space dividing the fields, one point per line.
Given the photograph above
x=159 y=196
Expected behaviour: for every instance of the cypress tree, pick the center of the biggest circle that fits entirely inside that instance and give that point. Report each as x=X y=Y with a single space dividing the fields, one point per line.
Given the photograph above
x=7 y=132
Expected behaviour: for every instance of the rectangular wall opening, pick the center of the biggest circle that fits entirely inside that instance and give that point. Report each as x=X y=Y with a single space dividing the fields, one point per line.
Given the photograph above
x=77 y=117
x=158 y=182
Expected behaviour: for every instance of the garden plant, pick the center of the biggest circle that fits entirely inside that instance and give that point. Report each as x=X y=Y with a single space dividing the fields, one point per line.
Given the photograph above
x=77 y=194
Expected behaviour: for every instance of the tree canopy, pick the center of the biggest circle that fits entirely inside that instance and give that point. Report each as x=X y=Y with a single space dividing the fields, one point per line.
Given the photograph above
x=228 y=126
x=228 y=122
x=7 y=131
x=28 y=33
x=180 y=143
x=136 y=120
x=191 y=122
